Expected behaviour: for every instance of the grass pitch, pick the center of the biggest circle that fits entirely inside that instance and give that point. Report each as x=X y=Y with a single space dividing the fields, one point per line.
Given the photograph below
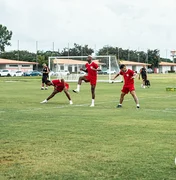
x=58 y=141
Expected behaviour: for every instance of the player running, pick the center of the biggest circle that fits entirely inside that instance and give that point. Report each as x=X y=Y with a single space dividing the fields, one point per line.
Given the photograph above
x=128 y=86
x=59 y=86
x=91 y=69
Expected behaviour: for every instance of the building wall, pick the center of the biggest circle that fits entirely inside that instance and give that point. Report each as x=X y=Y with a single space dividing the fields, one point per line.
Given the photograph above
x=165 y=69
x=2 y=66
x=134 y=67
x=16 y=67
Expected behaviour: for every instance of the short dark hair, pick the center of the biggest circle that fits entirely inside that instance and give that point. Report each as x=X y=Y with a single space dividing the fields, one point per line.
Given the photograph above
x=47 y=81
x=122 y=66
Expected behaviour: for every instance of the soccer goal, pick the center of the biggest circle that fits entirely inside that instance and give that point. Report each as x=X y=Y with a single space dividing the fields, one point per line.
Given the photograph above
x=68 y=67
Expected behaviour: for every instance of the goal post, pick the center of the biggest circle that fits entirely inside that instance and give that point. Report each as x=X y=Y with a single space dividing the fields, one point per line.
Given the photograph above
x=68 y=67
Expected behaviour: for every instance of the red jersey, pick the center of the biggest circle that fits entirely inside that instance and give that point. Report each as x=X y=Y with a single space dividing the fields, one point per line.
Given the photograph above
x=91 y=73
x=59 y=85
x=128 y=76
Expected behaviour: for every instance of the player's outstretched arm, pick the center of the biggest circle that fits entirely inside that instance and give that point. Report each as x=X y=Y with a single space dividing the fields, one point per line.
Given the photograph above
x=115 y=76
x=98 y=69
x=134 y=75
x=85 y=70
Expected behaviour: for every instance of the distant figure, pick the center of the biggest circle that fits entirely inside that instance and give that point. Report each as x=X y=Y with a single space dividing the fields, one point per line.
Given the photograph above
x=45 y=75
x=91 y=69
x=143 y=74
x=128 y=86
x=59 y=86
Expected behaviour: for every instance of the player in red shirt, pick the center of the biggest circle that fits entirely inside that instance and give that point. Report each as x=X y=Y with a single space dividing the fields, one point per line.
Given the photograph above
x=59 y=86
x=91 y=70
x=128 y=86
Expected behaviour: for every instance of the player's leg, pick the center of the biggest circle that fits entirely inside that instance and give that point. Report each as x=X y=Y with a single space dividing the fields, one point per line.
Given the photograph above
x=68 y=95
x=51 y=96
x=121 y=99
x=133 y=93
x=43 y=81
x=144 y=78
x=124 y=91
x=82 y=78
x=46 y=87
x=45 y=78
x=93 y=95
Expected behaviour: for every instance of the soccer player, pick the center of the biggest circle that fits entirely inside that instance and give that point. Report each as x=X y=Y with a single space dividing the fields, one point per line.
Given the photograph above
x=59 y=86
x=143 y=73
x=91 y=70
x=128 y=86
x=45 y=73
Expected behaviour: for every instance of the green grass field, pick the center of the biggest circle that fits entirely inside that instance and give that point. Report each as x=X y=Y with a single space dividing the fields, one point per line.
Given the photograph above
x=58 y=141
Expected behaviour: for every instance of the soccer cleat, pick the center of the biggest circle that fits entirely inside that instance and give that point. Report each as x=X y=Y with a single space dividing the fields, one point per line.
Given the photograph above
x=119 y=106
x=42 y=88
x=46 y=88
x=92 y=105
x=45 y=101
x=71 y=103
x=75 y=91
x=137 y=107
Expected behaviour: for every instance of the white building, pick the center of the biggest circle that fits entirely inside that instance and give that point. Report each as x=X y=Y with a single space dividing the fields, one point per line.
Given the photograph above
x=135 y=66
x=70 y=64
x=16 y=65
x=164 y=67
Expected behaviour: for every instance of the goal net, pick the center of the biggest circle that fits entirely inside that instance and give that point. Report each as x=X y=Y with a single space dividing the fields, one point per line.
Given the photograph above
x=68 y=68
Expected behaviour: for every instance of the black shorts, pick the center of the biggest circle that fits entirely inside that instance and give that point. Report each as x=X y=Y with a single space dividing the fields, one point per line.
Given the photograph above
x=44 y=78
x=144 y=77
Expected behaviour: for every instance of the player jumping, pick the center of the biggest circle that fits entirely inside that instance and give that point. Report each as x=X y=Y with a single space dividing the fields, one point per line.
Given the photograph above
x=128 y=86
x=59 y=86
x=91 y=69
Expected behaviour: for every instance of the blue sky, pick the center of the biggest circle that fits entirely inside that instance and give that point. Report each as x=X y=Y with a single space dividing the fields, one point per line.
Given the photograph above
x=134 y=24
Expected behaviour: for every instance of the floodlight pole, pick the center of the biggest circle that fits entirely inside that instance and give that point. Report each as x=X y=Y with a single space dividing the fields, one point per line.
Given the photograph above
x=109 y=68
x=49 y=66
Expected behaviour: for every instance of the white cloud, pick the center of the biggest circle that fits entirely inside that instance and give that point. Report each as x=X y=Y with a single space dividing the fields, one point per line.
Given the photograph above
x=124 y=23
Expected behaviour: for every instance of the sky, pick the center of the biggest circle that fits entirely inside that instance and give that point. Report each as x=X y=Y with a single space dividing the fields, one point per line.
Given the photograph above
x=55 y=24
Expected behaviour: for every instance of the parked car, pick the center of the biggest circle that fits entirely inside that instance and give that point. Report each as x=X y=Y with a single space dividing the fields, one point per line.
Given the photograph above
x=32 y=73
x=51 y=73
x=109 y=72
x=35 y=73
x=27 y=73
x=62 y=73
x=19 y=73
x=149 y=70
x=6 y=72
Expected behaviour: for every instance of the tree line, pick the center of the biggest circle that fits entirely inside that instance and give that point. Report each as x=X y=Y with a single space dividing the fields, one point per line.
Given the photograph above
x=151 y=56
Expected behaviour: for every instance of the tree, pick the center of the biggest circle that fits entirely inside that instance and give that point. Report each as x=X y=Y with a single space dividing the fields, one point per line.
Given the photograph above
x=77 y=50
x=153 y=57
x=5 y=37
x=19 y=55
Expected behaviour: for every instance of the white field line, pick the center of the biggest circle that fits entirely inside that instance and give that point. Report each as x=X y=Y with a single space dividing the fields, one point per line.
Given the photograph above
x=169 y=110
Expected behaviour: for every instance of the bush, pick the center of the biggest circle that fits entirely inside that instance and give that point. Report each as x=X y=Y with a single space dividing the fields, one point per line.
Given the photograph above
x=171 y=71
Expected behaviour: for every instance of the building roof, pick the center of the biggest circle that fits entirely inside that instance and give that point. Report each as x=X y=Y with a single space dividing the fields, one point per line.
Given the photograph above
x=7 y=61
x=74 y=62
x=134 y=63
x=167 y=64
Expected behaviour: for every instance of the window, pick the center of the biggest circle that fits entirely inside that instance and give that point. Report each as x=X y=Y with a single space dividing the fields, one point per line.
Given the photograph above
x=13 y=65
x=26 y=65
